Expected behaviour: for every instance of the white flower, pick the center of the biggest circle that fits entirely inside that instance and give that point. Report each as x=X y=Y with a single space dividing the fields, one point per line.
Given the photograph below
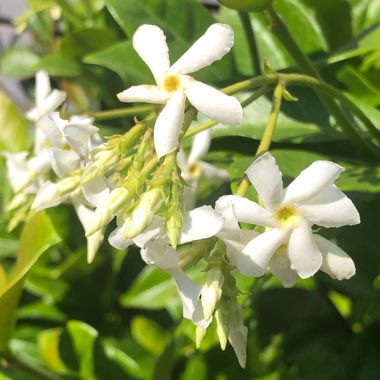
x=289 y=214
x=174 y=86
x=192 y=168
x=47 y=100
x=200 y=223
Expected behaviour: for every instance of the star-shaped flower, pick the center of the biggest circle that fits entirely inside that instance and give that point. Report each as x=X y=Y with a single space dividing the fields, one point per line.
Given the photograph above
x=174 y=85
x=289 y=214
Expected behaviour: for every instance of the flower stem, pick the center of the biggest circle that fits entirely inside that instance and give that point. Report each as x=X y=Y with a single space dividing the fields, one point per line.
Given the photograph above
x=282 y=32
x=267 y=136
x=251 y=40
x=120 y=112
x=208 y=124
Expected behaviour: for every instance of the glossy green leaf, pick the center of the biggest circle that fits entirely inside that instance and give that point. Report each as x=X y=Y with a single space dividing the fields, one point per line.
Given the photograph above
x=86 y=41
x=37 y=236
x=59 y=65
x=48 y=342
x=148 y=334
x=122 y=58
x=13 y=131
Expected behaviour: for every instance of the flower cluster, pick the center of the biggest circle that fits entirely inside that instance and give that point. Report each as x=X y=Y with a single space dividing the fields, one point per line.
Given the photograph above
x=144 y=180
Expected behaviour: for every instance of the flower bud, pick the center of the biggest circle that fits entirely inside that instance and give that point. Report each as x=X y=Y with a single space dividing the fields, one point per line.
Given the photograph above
x=212 y=291
x=246 y=5
x=142 y=215
x=222 y=329
x=200 y=333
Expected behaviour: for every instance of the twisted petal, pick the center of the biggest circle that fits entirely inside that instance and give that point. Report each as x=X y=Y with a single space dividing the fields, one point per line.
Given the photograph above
x=149 y=42
x=312 y=180
x=43 y=88
x=304 y=254
x=50 y=127
x=154 y=231
x=256 y=255
x=168 y=125
x=200 y=146
x=96 y=191
x=200 y=223
x=336 y=263
x=145 y=93
x=331 y=208
x=248 y=211
x=280 y=267
x=63 y=161
x=212 y=46
x=266 y=177
x=78 y=136
x=213 y=103
x=116 y=238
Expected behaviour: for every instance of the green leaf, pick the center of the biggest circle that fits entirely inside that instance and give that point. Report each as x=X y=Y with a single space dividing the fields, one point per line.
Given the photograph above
x=13 y=131
x=37 y=236
x=48 y=342
x=148 y=334
x=59 y=65
x=18 y=62
x=123 y=59
x=78 y=44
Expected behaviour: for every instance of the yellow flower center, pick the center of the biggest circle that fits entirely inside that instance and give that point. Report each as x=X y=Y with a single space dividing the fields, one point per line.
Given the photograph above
x=171 y=83
x=195 y=170
x=287 y=216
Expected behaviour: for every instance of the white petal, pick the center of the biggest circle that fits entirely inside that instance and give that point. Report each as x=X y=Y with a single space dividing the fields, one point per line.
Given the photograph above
x=248 y=211
x=256 y=255
x=48 y=126
x=78 y=136
x=212 y=172
x=154 y=231
x=213 y=103
x=231 y=226
x=304 y=254
x=43 y=87
x=145 y=93
x=336 y=263
x=96 y=191
x=280 y=267
x=266 y=177
x=200 y=223
x=158 y=252
x=236 y=243
x=169 y=124
x=149 y=42
x=52 y=102
x=200 y=146
x=212 y=46
x=63 y=161
x=17 y=169
x=116 y=238
x=331 y=208
x=312 y=180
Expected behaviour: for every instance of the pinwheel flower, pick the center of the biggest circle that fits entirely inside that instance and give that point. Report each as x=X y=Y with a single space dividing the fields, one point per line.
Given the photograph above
x=288 y=244
x=174 y=85
x=47 y=100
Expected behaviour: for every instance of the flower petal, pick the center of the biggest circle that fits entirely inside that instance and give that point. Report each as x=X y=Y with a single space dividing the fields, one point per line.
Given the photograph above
x=266 y=177
x=168 y=125
x=63 y=161
x=212 y=46
x=43 y=87
x=158 y=252
x=200 y=146
x=235 y=243
x=304 y=254
x=336 y=263
x=50 y=127
x=96 y=191
x=47 y=196
x=213 y=103
x=280 y=267
x=17 y=169
x=149 y=41
x=78 y=136
x=256 y=255
x=53 y=101
x=144 y=93
x=116 y=238
x=248 y=211
x=212 y=172
x=154 y=231
x=312 y=180
x=200 y=223
x=331 y=208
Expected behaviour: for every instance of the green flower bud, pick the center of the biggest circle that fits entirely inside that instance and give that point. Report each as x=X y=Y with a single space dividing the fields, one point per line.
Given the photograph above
x=246 y=5
x=212 y=291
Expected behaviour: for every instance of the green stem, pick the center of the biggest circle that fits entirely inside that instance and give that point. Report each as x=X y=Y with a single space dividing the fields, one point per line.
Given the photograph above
x=282 y=32
x=120 y=112
x=267 y=136
x=27 y=367
x=251 y=40
x=208 y=124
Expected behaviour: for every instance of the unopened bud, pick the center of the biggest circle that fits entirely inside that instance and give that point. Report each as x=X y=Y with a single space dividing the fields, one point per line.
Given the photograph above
x=200 y=333
x=142 y=215
x=222 y=328
x=212 y=291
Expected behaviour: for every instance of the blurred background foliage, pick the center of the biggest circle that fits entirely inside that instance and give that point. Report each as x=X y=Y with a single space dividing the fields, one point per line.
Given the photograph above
x=119 y=319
